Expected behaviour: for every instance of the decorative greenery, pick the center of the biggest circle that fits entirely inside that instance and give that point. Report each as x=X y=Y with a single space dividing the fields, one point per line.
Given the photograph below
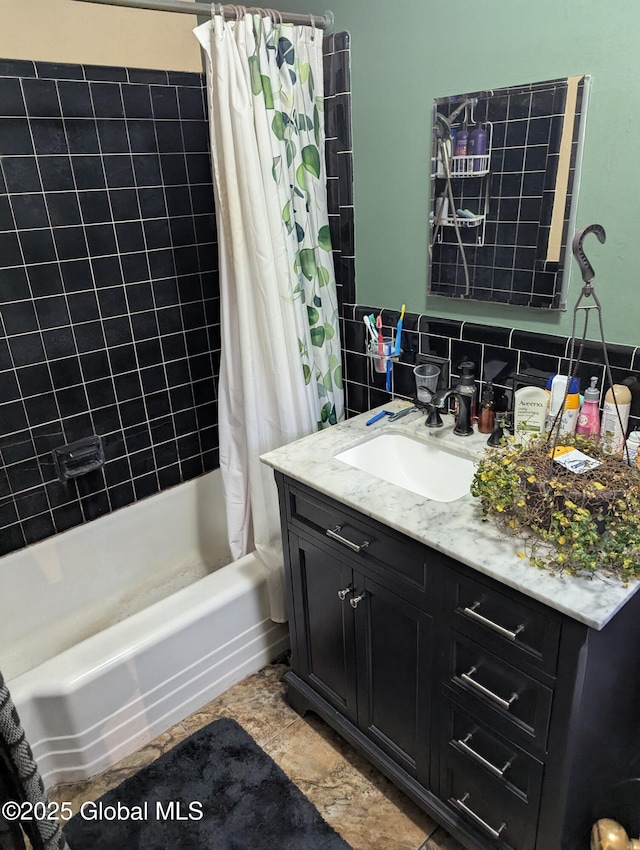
x=580 y=524
x=282 y=73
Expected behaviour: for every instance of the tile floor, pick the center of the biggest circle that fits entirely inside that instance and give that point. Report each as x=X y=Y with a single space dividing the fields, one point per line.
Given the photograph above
x=361 y=804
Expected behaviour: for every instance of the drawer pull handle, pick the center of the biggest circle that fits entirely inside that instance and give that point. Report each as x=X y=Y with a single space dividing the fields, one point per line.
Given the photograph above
x=471 y=612
x=342 y=594
x=497 y=771
x=503 y=703
x=494 y=833
x=356 y=599
x=334 y=534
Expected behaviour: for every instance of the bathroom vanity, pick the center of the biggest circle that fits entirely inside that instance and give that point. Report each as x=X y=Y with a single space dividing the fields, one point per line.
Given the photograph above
x=501 y=698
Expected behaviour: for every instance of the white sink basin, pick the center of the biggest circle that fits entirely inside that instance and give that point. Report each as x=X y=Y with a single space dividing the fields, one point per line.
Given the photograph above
x=420 y=467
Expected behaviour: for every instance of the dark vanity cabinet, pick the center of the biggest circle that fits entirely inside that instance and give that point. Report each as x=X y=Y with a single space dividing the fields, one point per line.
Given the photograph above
x=365 y=650
x=501 y=717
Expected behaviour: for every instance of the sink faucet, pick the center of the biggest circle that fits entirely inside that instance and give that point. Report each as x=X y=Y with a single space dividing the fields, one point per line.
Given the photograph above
x=463 y=418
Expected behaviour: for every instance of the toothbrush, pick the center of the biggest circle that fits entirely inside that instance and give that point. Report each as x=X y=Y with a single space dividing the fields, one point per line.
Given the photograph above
x=380 y=337
x=372 y=322
x=372 y=331
x=388 y=382
x=399 y=331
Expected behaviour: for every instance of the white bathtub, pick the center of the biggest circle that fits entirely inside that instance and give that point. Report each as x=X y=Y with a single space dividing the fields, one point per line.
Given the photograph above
x=115 y=630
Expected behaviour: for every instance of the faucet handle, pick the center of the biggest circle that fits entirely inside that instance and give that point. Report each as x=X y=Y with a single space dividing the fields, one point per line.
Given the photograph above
x=433 y=420
x=499 y=431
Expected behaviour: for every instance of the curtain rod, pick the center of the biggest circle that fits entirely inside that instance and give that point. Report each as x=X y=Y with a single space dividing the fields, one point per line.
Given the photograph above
x=324 y=22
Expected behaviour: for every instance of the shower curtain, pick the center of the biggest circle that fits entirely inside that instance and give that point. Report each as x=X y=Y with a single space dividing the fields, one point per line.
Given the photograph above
x=280 y=371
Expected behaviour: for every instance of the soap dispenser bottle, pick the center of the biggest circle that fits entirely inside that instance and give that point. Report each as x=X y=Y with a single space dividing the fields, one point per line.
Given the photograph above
x=487 y=415
x=589 y=416
x=467 y=385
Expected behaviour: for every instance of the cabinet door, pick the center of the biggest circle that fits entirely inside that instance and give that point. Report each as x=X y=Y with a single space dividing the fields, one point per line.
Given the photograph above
x=322 y=625
x=394 y=675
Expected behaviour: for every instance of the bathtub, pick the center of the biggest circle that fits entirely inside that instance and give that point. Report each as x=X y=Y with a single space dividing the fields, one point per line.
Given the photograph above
x=113 y=631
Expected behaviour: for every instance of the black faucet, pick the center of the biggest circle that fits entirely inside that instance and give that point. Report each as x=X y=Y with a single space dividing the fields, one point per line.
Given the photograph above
x=462 y=428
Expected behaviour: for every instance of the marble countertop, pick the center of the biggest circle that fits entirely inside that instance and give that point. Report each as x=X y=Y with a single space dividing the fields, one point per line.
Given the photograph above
x=455 y=528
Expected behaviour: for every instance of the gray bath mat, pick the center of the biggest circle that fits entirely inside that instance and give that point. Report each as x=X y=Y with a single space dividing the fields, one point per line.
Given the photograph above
x=216 y=790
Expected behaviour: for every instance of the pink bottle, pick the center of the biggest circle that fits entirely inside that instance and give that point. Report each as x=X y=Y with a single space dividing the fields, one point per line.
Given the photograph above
x=589 y=416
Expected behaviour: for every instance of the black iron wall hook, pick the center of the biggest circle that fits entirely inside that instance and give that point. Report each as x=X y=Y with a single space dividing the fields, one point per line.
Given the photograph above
x=587 y=292
x=586 y=268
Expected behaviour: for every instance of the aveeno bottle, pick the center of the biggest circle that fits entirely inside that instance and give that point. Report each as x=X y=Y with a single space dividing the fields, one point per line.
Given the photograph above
x=529 y=413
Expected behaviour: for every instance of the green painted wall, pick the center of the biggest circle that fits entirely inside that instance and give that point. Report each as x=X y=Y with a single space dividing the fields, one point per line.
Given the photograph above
x=406 y=53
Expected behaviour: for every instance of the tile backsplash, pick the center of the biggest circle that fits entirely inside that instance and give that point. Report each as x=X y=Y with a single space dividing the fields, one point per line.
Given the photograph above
x=109 y=297
x=499 y=354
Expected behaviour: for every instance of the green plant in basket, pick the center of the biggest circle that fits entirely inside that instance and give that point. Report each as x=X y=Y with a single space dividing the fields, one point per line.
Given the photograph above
x=578 y=523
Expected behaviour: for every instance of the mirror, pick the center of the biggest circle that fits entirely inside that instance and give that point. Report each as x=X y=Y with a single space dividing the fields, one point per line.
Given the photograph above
x=504 y=178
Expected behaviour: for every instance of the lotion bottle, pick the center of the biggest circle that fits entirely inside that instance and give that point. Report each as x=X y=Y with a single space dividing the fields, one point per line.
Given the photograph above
x=589 y=416
x=529 y=413
x=633 y=445
x=612 y=431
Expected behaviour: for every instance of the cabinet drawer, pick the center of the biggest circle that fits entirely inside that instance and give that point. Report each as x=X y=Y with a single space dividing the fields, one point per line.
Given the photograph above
x=507 y=699
x=504 y=763
x=502 y=818
x=515 y=627
x=387 y=554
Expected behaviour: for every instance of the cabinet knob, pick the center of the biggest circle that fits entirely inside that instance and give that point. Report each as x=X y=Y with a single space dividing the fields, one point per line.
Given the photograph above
x=342 y=594
x=356 y=599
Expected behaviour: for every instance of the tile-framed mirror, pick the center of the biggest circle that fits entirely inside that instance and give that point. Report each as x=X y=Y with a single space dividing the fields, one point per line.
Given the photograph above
x=505 y=173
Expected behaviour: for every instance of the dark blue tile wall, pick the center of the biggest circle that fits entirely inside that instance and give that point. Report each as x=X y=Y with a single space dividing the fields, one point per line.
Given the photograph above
x=109 y=296
x=339 y=159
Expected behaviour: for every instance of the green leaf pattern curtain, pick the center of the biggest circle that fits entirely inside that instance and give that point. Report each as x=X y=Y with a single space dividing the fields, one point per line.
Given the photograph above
x=280 y=372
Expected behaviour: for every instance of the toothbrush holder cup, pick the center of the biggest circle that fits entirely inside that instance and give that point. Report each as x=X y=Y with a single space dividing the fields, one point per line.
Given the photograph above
x=426 y=375
x=388 y=353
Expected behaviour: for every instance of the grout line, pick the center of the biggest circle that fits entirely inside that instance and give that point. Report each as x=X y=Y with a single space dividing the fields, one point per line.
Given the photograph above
x=281 y=731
